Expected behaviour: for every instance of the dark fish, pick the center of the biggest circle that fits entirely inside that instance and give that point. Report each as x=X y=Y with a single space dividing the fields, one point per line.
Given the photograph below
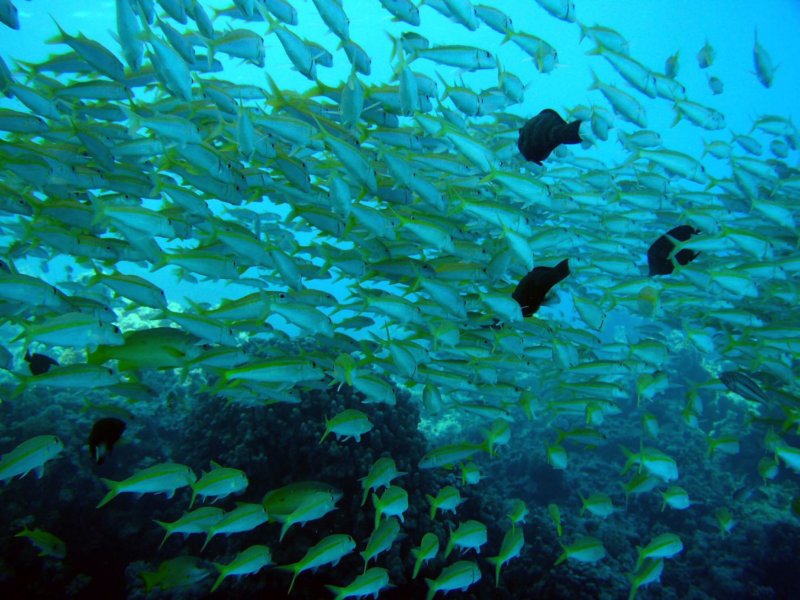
x=105 y=433
x=39 y=363
x=741 y=384
x=532 y=288
x=544 y=133
x=658 y=253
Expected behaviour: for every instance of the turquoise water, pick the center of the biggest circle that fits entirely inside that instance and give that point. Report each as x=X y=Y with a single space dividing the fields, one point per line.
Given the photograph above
x=394 y=299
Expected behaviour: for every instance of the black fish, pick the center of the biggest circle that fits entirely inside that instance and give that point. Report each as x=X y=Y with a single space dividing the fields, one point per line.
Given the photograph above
x=544 y=133
x=105 y=433
x=658 y=253
x=532 y=288
x=39 y=363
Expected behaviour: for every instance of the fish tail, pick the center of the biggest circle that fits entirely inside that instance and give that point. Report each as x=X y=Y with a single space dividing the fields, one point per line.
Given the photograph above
x=284 y=529
x=335 y=589
x=417 y=566
x=166 y=534
x=294 y=577
x=449 y=547
x=219 y=579
x=495 y=560
x=208 y=539
x=433 y=506
x=112 y=493
x=431 y=589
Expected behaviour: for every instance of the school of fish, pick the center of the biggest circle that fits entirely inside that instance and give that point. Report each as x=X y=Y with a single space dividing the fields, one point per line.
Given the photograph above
x=398 y=225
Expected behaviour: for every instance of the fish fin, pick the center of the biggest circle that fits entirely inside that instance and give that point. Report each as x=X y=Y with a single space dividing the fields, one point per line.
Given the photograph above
x=112 y=492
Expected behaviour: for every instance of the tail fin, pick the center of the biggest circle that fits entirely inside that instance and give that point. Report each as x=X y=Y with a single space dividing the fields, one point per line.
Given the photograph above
x=166 y=528
x=495 y=560
x=112 y=492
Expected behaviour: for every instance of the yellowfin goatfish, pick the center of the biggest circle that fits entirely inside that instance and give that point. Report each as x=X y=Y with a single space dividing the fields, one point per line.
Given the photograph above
x=30 y=455
x=371 y=582
x=510 y=548
x=48 y=544
x=163 y=478
x=428 y=548
x=245 y=517
x=174 y=573
x=458 y=576
x=196 y=521
x=587 y=549
x=247 y=562
x=219 y=482
x=328 y=550
x=381 y=540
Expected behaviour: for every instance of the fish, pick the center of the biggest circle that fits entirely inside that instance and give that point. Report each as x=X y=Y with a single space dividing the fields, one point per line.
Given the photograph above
x=197 y=521
x=370 y=582
x=9 y=15
x=30 y=455
x=532 y=289
x=587 y=549
x=428 y=549
x=560 y=9
x=706 y=56
x=448 y=499
x=555 y=516
x=470 y=534
x=174 y=573
x=742 y=384
x=654 y=461
x=39 y=363
x=765 y=71
x=672 y=65
x=245 y=517
x=314 y=506
x=330 y=549
x=163 y=478
x=544 y=133
x=247 y=562
x=659 y=259
x=219 y=482
x=393 y=502
x=104 y=434
x=282 y=502
x=46 y=543
x=665 y=545
x=458 y=576
x=381 y=540
x=599 y=505
x=350 y=423
x=716 y=85
x=510 y=548
x=725 y=520
x=381 y=474
x=448 y=455
x=648 y=572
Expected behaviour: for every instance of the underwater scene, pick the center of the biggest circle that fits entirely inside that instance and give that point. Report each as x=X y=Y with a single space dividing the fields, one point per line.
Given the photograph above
x=399 y=299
